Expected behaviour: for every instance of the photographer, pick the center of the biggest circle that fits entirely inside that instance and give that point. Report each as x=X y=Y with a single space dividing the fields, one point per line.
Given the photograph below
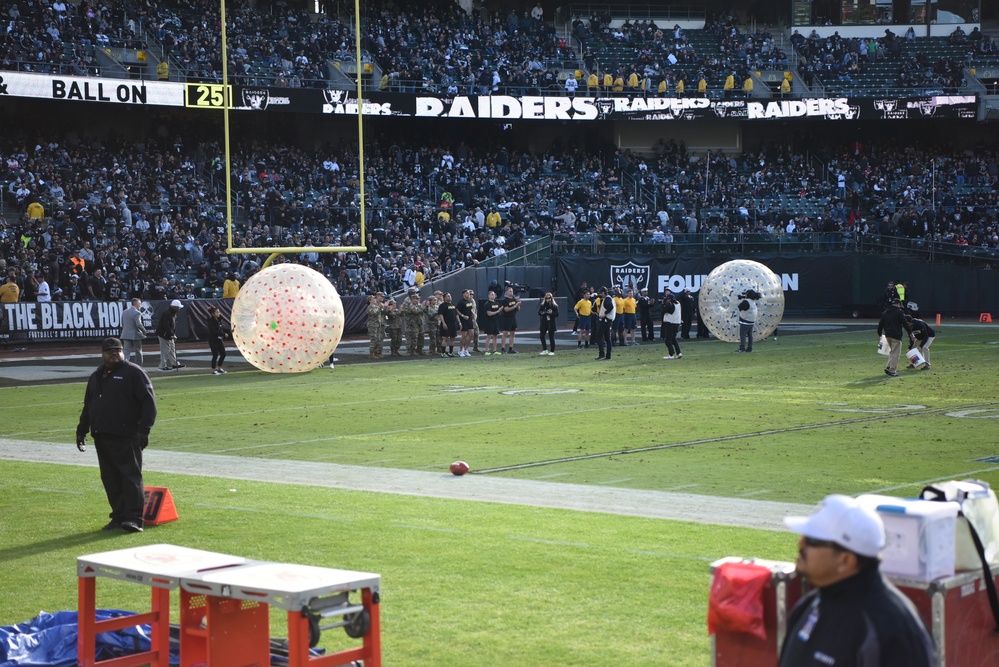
x=747 y=318
x=672 y=318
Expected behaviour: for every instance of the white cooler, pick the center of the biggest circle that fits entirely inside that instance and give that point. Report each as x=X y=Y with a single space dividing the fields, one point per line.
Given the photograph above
x=919 y=537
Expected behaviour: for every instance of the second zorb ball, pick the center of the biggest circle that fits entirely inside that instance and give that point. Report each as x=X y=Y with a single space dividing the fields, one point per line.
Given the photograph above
x=718 y=299
x=287 y=318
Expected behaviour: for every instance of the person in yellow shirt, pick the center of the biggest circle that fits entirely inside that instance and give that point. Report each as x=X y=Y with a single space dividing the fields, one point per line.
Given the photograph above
x=230 y=288
x=702 y=88
x=747 y=87
x=420 y=278
x=662 y=87
x=679 y=88
x=10 y=292
x=785 y=87
x=35 y=211
x=608 y=81
x=163 y=71
x=493 y=220
x=729 y=86
x=583 y=308
x=592 y=84
x=633 y=82
x=630 y=310
x=618 y=86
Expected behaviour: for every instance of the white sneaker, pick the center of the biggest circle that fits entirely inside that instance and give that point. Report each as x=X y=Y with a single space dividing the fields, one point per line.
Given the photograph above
x=215 y=372
x=551 y=354
x=543 y=353
x=670 y=357
x=679 y=356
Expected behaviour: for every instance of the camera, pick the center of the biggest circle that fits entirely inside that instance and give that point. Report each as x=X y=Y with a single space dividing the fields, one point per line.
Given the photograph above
x=751 y=294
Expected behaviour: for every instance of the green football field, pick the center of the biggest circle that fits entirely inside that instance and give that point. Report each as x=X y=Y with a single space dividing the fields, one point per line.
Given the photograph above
x=473 y=581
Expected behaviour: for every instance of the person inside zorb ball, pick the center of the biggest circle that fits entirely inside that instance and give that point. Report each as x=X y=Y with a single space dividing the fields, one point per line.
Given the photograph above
x=727 y=285
x=287 y=319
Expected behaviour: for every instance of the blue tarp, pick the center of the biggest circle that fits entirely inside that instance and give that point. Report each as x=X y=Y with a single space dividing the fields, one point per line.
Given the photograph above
x=49 y=640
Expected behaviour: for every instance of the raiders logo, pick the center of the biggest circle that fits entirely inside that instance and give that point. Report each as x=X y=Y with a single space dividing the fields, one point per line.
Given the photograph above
x=255 y=98
x=630 y=276
x=335 y=96
x=604 y=107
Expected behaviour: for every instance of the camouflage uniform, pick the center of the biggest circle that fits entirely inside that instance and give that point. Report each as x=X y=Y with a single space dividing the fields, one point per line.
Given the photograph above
x=376 y=328
x=475 y=324
x=433 y=326
x=413 y=315
x=394 y=327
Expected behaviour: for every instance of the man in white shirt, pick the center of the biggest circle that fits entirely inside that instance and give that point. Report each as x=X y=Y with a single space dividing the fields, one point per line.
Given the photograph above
x=409 y=280
x=42 y=292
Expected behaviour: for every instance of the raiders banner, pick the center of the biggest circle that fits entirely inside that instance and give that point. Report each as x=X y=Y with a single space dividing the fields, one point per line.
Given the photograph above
x=82 y=320
x=806 y=281
x=818 y=285
x=343 y=102
x=527 y=107
x=72 y=320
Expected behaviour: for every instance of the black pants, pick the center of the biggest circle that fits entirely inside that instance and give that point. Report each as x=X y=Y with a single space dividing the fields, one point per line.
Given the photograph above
x=746 y=336
x=688 y=317
x=671 y=343
x=218 y=352
x=120 y=460
x=548 y=329
x=604 y=337
x=648 y=327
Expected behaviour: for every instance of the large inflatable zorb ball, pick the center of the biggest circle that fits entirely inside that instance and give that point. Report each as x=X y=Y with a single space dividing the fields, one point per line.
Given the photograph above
x=718 y=299
x=287 y=319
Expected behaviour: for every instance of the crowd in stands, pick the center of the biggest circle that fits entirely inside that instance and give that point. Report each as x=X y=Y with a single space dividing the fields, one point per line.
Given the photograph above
x=842 y=59
x=436 y=47
x=664 y=61
x=139 y=215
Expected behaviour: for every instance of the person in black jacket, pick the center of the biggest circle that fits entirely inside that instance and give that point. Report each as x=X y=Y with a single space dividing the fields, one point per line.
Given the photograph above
x=921 y=336
x=686 y=301
x=119 y=409
x=548 y=323
x=217 y=331
x=891 y=326
x=166 y=331
x=853 y=617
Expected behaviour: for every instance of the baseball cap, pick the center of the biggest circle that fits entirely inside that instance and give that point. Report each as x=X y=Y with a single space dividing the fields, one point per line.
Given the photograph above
x=176 y=304
x=845 y=521
x=110 y=344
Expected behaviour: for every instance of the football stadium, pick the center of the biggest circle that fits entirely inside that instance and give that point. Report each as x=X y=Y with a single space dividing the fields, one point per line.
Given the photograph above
x=497 y=334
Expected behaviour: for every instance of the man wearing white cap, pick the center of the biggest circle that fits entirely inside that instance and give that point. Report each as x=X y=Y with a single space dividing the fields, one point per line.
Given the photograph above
x=853 y=616
x=166 y=331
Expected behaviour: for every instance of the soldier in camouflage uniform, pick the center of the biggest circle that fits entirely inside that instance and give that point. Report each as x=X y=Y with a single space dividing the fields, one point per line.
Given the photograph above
x=475 y=321
x=432 y=324
x=376 y=326
x=393 y=326
x=414 y=314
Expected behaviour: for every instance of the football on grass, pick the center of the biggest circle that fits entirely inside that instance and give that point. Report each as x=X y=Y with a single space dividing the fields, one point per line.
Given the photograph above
x=459 y=468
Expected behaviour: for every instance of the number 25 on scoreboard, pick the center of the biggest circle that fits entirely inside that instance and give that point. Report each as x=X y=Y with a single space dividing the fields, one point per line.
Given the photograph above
x=208 y=95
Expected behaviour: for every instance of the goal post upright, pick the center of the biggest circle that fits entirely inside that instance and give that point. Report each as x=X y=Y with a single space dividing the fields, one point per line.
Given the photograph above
x=274 y=252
